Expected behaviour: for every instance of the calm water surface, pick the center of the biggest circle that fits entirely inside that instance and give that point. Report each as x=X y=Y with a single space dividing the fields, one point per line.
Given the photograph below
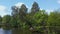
x=15 y=31
x=2 y=31
x=12 y=31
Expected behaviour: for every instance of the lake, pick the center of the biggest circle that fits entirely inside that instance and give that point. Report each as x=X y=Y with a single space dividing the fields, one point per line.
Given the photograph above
x=2 y=31
x=13 y=31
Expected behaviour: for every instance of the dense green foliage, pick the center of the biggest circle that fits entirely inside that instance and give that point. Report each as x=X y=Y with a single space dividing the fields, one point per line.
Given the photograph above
x=35 y=22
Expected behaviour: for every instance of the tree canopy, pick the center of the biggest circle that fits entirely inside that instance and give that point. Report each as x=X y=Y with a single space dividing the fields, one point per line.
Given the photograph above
x=35 y=21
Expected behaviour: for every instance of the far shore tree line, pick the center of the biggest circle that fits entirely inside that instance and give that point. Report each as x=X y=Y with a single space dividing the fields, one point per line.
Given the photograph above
x=35 y=21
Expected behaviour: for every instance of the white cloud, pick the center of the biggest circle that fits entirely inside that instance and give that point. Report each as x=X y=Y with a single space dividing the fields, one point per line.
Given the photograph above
x=41 y=9
x=3 y=10
x=58 y=1
x=18 y=4
x=48 y=11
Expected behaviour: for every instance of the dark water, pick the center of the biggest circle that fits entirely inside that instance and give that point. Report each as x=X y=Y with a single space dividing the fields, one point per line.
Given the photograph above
x=13 y=31
x=2 y=31
x=8 y=31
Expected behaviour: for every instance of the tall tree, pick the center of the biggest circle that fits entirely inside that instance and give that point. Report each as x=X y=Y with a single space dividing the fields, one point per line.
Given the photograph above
x=22 y=12
x=14 y=17
x=35 y=7
x=14 y=10
x=0 y=20
x=18 y=14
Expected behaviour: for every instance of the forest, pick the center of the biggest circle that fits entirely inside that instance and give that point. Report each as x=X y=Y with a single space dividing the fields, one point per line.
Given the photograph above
x=36 y=21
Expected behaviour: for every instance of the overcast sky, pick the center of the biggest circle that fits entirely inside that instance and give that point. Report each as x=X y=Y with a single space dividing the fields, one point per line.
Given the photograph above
x=48 y=5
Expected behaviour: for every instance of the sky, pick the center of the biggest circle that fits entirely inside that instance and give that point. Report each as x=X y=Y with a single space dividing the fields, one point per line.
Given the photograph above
x=48 y=5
